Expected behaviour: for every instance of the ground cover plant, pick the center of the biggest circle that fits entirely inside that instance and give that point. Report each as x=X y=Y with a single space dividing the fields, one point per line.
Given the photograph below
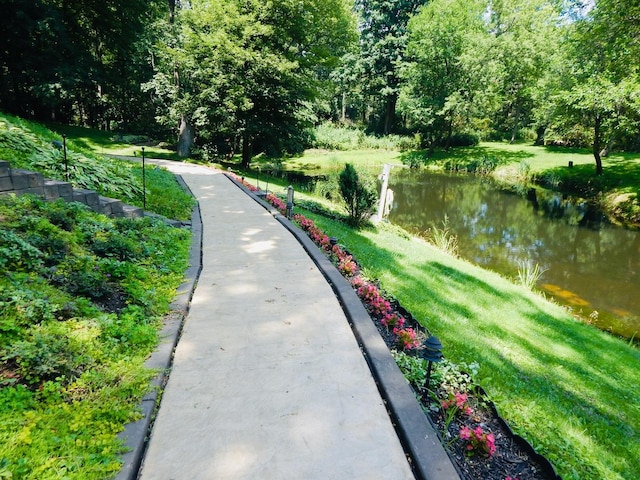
x=29 y=146
x=81 y=300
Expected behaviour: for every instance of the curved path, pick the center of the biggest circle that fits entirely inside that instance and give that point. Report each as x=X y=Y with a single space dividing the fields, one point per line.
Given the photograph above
x=268 y=381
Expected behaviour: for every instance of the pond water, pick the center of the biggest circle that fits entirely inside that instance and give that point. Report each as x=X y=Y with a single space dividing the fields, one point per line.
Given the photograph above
x=589 y=266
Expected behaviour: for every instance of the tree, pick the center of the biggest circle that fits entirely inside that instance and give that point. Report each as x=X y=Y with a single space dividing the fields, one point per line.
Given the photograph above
x=604 y=107
x=440 y=83
x=75 y=60
x=601 y=91
x=358 y=197
x=525 y=37
x=244 y=74
x=383 y=38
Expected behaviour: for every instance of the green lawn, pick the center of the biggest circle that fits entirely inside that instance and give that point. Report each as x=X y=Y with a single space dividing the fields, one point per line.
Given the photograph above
x=568 y=388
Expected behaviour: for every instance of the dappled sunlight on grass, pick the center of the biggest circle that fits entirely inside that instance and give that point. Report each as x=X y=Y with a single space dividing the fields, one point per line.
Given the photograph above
x=567 y=387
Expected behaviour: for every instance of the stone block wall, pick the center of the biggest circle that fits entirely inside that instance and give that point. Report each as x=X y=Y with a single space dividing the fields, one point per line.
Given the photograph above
x=19 y=182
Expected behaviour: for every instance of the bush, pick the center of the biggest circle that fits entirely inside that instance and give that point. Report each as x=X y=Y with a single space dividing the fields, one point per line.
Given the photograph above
x=464 y=140
x=358 y=197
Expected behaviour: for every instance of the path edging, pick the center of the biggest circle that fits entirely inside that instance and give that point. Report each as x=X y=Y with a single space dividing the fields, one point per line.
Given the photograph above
x=135 y=434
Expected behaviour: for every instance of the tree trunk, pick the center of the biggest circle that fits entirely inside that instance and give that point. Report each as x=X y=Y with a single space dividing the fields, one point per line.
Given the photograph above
x=447 y=143
x=596 y=145
x=185 y=137
x=172 y=10
x=390 y=114
x=516 y=123
x=344 y=107
x=247 y=150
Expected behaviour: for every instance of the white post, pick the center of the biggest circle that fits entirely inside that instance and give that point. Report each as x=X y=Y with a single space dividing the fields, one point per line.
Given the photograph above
x=383 y=190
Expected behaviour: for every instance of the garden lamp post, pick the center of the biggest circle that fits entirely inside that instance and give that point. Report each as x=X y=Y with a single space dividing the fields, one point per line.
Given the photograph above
x=289 y=202
x=432 y=352
x=64 y=151
x=144 y=184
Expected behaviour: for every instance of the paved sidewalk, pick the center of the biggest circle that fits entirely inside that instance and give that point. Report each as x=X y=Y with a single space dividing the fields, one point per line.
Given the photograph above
x=268 y=381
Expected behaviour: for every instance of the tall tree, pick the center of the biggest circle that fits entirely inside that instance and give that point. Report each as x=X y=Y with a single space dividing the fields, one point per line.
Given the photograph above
x=601 y=90
x=383 y=39
x=441 y=83
x=525 y=38
x=245 y=74
x=73 y=59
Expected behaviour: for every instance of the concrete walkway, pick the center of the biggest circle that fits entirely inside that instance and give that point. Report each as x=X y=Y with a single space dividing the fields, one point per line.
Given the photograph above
x=268 y=381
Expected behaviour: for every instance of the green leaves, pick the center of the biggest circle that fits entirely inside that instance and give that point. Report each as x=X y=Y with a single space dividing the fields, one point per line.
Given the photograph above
x=248 y=73
x=359 y=197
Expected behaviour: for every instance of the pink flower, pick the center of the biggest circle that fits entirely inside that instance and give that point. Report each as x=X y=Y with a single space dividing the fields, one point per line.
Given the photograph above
x=461 y=399
x=406 y=338
x=465 y=433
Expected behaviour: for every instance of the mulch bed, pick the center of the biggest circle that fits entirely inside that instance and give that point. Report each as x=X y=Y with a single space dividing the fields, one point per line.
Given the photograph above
x=513 y=459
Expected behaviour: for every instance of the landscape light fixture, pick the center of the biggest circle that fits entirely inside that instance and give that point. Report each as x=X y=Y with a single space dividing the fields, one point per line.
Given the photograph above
x=431 y=352
x=289 y=202
x=333 y=241
x=144 y=184
x=64 y=151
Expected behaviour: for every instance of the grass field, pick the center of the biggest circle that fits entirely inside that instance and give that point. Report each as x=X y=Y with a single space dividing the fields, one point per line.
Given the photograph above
x=568 y=388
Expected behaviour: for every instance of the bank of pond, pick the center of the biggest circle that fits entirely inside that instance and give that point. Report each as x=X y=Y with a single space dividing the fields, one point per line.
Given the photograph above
x=588 y=265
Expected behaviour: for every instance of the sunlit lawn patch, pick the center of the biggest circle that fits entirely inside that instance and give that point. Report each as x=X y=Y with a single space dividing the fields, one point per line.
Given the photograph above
x=566 y=387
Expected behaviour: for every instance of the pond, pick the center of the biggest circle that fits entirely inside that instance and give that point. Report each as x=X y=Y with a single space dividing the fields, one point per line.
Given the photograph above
x=589 y=266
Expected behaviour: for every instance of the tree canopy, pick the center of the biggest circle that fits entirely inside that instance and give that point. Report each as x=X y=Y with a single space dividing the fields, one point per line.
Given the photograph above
x=248 y=76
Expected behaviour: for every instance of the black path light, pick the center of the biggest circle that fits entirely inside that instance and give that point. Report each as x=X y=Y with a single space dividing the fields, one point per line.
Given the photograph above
x=64 y=151
x=289 y=202
x=144 y=184
x=431 y=352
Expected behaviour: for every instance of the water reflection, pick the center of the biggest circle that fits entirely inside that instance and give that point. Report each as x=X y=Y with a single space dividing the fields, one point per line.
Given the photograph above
x=592 y=268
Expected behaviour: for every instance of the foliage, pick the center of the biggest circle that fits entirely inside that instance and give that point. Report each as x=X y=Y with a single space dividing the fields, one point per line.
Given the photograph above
x=244 y=75
x=531 y=353
x=478 y=441
x=439 y=85
x=413 y=367
x=443 y=238
x=71 y=347
x=359 y=198
x=383 y=39
x=78 y=60
x=28 y=145
x=335 y=137
x=529 y=274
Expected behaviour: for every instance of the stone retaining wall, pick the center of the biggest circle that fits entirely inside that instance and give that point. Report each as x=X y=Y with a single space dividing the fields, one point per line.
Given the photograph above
x=20 y=182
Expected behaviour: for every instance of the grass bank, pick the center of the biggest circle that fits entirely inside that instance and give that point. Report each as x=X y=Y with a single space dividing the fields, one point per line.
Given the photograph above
x=568 y=388
x=29 y=146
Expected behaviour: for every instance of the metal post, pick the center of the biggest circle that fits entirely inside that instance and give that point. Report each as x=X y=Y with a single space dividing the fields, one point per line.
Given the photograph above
x=64 y=150
x=144 y=184
x=289 y=202
x=431 y=352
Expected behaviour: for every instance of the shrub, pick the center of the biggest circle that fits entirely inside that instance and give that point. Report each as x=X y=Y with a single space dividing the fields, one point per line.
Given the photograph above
x=464 y=140
x=358 y=197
